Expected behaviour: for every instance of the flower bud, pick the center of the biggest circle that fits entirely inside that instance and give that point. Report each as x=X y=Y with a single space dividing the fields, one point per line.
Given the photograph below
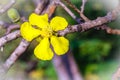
x=13 y=15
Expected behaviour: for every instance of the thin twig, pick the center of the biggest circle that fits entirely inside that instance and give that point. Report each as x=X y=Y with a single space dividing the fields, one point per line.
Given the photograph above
x=23 y=19
x=83 y=5
x=77 y=10
x=12 y=27
x=9 y=37
x=109 y=30
x=7 y=6
x=69 y=12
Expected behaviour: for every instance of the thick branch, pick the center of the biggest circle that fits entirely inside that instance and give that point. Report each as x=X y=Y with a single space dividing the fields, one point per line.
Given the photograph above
x=91 y=24
x=17 y=52
x=9 y=37
x=14 y=56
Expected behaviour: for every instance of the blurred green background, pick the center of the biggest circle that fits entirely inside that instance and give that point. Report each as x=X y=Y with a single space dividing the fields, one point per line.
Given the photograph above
x=96 y=52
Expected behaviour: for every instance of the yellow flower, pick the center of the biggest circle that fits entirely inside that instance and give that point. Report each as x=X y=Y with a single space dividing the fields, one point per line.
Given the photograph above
x=39 y=26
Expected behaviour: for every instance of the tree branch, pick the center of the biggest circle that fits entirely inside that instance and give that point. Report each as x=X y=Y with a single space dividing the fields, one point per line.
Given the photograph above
x=50 y=8
x=9 y=37
x=12 y=27
x=60 y=68
x=109 y=30
x=91 y=24
x=13 y=57
x=69 y=12
x=83 y=5
x=7 y=6
x=73 y=67
x=77 y=10
x=16 y=53
x=41 y=4
x=4 y=24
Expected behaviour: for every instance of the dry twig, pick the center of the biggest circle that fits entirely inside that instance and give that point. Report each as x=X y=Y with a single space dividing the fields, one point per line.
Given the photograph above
x=109 y=30
x=77 y=10
x=83 y=5
x=12 y=27
x=69 y=12
x=41 y=4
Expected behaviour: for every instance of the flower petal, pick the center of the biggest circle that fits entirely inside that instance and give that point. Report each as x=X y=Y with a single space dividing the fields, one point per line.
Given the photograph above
x=60 y=45
x=40 y=21
x=28 y=32
x=43 y=50
x=58 y=23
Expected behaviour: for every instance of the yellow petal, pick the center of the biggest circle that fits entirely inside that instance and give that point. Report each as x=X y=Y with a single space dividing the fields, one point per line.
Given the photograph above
x=28 y=32
x=58 y=23
x=43 y=50
x=60 y=45
x=40 y=21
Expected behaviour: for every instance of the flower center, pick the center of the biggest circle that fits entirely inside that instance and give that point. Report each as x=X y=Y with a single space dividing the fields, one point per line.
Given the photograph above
x=47 y=32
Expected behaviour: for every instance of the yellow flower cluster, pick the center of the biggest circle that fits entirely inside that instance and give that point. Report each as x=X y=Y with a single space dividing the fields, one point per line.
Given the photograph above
x=39 y=27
